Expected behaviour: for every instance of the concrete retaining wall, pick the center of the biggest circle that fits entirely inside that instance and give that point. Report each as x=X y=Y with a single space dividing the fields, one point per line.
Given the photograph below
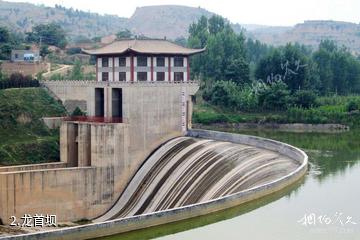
x=53 y=122
x=33 y=167
x=147 y=220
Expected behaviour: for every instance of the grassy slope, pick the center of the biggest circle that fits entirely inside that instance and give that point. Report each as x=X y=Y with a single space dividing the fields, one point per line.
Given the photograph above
x=23 y=137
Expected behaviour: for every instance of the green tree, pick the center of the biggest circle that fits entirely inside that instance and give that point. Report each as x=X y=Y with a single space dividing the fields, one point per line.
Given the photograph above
x=50 y=34
x=76 y=73
x=305 y=99
x=275 y=97
x=124 y=34
x=4 y=35
x=288 y=64
x=225 y=56
x=223 y=93
x=338 y=69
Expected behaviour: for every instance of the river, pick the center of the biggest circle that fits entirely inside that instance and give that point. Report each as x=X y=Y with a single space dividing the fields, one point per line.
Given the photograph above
x=323 y=205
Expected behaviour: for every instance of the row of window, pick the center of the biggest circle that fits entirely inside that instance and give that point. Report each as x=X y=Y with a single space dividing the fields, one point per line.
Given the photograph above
x=142 y=76
x=142 y=61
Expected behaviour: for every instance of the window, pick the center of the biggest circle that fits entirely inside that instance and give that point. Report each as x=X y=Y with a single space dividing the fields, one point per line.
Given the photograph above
x=178 y=61
x=160 y=76
x=122 y=76
x=142 y=61
x=16 y=56
x=105 y=62
x=178 y=76
x=122 y=62
x=160 y=61
x=105 y=76
x=142 y=76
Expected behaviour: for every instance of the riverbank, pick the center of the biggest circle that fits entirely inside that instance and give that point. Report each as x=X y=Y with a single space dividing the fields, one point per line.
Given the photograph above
x=290 y=127
x=330 y=114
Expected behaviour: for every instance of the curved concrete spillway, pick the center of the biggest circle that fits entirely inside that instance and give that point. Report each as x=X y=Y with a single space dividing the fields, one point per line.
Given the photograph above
x=189 y=170
x=193 y=176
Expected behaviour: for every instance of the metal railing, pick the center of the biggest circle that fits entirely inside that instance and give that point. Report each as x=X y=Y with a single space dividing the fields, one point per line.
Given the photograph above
x=107 y=83
x=94 y=119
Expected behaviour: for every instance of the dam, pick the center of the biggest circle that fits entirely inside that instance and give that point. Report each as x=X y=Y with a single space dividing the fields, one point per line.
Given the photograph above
x=134 y=160
x=187 y=171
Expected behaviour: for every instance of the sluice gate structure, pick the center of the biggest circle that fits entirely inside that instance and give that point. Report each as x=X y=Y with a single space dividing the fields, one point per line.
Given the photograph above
x=134 y=161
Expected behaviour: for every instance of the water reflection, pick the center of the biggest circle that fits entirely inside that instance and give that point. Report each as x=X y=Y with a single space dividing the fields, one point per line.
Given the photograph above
x=329 y=153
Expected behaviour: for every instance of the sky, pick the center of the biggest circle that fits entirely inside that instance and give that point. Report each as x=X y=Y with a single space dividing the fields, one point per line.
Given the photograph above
x=263 y=12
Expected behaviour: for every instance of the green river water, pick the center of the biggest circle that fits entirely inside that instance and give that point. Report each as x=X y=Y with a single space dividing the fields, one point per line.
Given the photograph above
x=323 y=205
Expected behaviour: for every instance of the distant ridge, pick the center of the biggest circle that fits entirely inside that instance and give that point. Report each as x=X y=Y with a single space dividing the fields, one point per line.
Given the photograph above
x=170 y=21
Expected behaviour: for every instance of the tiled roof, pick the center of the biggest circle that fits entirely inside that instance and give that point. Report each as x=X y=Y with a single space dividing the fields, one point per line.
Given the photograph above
x=148 y=46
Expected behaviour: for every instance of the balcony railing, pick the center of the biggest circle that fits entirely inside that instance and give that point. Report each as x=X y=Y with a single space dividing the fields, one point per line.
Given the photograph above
x=94 y=119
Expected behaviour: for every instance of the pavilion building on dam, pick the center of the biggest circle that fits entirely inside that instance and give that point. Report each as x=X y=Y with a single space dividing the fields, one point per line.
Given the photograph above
x=135 y=151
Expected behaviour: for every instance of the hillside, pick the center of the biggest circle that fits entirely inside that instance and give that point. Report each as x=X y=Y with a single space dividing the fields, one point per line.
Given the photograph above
x=169 y=21
x=311 y=33
x=23 y=137
x=23 y=16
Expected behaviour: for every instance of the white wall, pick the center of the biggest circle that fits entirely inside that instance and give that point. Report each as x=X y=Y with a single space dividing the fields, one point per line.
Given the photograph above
x=128 y=64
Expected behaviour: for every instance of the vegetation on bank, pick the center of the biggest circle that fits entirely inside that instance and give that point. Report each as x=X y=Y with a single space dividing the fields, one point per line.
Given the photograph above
x=334 y=109
x=17 y=80
x=247 y=81
x=24 y=138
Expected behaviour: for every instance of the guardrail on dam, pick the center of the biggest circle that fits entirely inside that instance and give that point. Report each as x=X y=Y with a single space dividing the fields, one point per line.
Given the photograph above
x=180 y=174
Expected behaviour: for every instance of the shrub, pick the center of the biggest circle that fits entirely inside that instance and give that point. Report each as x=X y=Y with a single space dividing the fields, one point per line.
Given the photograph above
x=275 y=97
x=208 y=117
x=305 y=99
x=78 y=112
x=223 y=93
x=352 y=105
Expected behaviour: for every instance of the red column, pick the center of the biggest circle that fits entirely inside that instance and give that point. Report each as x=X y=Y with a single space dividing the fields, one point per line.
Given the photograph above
x=188 y=68
x=113 y=65
x=97 y=79
x=152 y=69
x=132 y=68
x=169 y=62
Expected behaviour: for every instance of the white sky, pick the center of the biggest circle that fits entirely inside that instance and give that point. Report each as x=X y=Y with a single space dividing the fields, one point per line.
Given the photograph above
x=265 y=12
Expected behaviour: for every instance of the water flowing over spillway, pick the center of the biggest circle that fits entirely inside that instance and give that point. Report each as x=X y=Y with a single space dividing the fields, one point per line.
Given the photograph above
x=189 y=170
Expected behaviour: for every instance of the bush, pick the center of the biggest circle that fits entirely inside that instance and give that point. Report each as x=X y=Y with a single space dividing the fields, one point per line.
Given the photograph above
x=305 y=99
x=275 y=97
x=17 y=80
x=78 y=112
x=74 y=50
x=352 y=106
x=223 y=93
x=208 y=117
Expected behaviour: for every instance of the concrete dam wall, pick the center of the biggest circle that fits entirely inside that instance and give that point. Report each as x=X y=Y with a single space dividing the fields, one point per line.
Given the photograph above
x=193 y=176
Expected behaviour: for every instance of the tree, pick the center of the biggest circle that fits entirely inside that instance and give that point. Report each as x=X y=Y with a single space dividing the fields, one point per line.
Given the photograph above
x=237 y=71
x=76 y=73
x=124 y=34
x=44 y=50
x=223 y=93
x=225 y=56
x=305 y=99
x=275 y=97
x=50 y=34
x=4 y=35
x=5 y=51
x=338 y=69
x=78 y=112
x=256 y=50
x=288 y=64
